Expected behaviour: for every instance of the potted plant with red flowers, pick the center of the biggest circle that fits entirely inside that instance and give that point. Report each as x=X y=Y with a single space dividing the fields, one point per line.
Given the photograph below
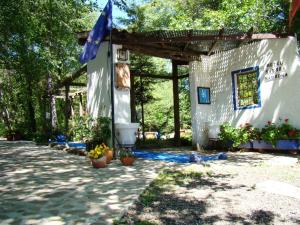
x=289 y=136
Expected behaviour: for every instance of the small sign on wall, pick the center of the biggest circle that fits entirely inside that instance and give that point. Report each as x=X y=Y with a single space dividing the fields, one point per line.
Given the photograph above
x=203 y=95
x=276 y=70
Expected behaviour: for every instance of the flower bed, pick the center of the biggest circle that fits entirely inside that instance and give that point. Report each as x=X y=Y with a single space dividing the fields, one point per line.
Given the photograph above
x=282 y=136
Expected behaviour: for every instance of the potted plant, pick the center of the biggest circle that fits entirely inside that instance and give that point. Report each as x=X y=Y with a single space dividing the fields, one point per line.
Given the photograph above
x=126 y=157
x=289 y=136
x=98 y=157
x=108 y=153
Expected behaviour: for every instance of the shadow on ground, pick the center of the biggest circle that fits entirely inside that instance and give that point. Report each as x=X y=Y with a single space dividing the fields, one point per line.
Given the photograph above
x=195 y=202
x=41 y=185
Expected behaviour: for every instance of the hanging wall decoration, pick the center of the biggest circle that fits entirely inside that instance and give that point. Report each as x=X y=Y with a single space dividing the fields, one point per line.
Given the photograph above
x=122 y=76
x=203 y=95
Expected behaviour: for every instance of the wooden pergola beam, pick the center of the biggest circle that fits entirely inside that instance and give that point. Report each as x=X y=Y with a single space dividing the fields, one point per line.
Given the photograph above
x=165 y=49
x=185 y=39
x=249 y=34
x=221 y=32
x=69 y=79
x=166 y=52
x=161 y=54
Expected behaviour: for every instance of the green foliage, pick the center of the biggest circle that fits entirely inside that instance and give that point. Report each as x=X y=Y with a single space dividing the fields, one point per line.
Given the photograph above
x=270 y=133
x=273 y=132
x=123 y=153
x=37 y=43
x=208 y=15
x=101 y=130
x=85 y=128
x=81 y=129
x=238 y=136
x=160 y=116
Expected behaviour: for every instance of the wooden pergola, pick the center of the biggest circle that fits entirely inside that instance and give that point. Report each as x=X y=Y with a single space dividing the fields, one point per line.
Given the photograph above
x=182 y=46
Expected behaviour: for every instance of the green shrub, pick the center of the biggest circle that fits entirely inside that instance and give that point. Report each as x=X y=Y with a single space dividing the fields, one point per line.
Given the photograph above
x=240 y=135
x=85 y=128
x=270 y=133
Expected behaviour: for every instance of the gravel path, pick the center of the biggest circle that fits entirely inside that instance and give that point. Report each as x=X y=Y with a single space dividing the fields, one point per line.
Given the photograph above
x=249 y=188
x=40 y=185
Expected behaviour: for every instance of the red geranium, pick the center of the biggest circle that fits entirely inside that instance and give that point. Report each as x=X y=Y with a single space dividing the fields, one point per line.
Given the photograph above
x=292 y=133
x=286 y=120
x=269 y=122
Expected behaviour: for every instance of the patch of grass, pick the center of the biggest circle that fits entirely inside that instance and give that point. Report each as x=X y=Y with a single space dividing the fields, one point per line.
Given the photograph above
x=164 y=181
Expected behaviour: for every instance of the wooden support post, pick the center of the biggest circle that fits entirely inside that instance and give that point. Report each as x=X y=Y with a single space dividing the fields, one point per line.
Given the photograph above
x=142 y=106
x=176 y=104
x=67 y=107
x=132 y=100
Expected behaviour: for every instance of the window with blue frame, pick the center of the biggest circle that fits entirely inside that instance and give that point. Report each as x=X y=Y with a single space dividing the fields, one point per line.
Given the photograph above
x=246 y=88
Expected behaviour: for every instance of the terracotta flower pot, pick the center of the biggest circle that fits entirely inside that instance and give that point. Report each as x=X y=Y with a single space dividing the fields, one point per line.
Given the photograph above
x=109 y=156
x=99 y=163
x=127 y=161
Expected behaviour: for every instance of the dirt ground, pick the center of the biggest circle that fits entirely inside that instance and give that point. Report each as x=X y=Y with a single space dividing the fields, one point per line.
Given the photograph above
x=248 y=188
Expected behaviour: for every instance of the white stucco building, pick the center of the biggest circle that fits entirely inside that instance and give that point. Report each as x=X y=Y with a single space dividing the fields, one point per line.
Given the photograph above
x=254 y=83
x=99 y=88
x=272 y=69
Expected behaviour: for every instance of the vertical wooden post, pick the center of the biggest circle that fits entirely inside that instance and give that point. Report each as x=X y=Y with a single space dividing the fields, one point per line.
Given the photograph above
x=176 y=104
x=132 y=100
x=142 y=105
x=67 y=107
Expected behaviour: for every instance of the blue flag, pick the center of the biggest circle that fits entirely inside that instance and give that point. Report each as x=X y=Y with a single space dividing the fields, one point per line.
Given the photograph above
x=102 y=28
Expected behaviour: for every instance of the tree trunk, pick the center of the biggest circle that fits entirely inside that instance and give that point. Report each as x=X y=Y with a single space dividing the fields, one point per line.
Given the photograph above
x=53 y=113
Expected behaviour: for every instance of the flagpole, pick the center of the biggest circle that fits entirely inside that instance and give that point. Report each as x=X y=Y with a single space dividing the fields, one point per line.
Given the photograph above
x=112 y=91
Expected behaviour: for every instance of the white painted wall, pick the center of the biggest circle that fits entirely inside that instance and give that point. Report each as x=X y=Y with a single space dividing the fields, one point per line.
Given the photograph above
x=280 y=98
x=98 y=89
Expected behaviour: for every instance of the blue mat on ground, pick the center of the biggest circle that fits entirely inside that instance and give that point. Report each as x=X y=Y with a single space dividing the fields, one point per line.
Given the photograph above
x=179 y=158
x=71 y=144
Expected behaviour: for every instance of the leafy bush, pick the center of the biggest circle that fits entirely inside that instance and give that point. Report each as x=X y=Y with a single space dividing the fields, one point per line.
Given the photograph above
x=90 y=130
x=273 y=132
x=81 y=128
x=270 y=133
x=237 y=136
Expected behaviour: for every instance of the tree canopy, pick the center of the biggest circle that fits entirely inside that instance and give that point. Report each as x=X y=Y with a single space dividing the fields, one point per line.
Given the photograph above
x=39 y=48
